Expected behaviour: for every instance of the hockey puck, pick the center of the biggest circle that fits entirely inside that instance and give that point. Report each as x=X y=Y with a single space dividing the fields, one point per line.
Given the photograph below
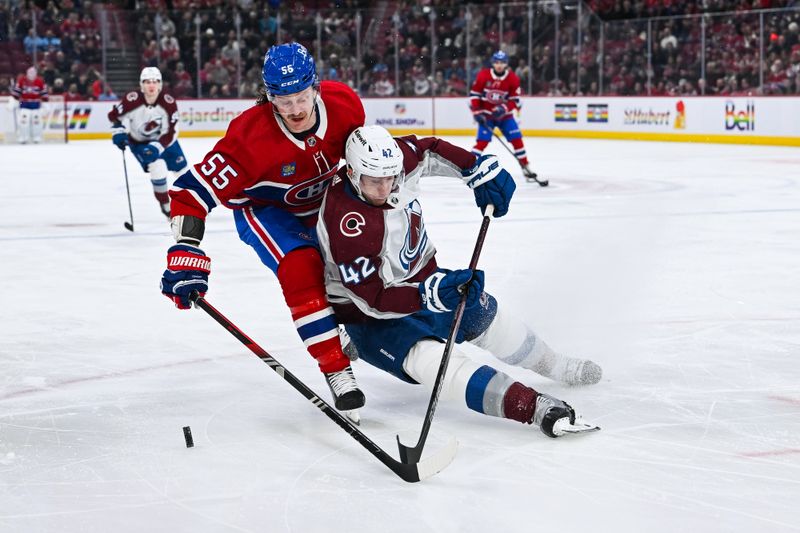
x=187 y=435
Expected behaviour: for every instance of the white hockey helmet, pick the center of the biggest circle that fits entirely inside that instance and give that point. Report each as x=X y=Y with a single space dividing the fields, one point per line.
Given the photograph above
x=150 y=73
x=372 y=150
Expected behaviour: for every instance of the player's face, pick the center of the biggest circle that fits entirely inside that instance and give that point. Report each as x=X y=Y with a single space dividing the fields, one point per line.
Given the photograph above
x=376 y=190
x=297 y=110
x=499 y=66
x=151 y=88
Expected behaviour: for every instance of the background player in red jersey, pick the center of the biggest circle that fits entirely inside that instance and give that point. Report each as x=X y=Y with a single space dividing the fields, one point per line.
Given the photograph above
x=397 y=304
x=29 y=92
x=147 y=121
x=493 y=99
x=272 y=168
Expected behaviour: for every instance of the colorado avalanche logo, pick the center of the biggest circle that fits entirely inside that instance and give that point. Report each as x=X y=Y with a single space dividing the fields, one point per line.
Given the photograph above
x=416 y=237
x=151 y=128
x=351 y=224
x=309 y=191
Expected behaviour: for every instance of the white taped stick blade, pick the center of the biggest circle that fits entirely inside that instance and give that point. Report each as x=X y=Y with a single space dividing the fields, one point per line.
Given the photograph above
x=437 y=462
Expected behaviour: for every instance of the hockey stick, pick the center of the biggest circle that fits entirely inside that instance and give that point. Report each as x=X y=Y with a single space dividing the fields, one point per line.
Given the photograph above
x=128 y=225
x=411 y=455
x=532 y=176
x=411 y=473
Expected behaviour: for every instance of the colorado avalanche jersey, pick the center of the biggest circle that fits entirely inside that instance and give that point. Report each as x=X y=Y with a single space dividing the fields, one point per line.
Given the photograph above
x=375 y=257
x=491 y=90
x=260 y=163
x=147 y=123
x=30 y=93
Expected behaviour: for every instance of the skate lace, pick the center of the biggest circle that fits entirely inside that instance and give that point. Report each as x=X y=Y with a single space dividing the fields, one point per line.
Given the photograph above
x=342 y=382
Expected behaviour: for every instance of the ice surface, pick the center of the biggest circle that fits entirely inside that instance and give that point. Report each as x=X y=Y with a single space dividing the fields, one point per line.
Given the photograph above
x=675 y=266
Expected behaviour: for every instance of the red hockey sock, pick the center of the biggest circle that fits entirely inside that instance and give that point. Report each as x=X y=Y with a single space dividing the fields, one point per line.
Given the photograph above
x=480 y=146
x=162 y=197
x=519 y=403
x=519 y=151
x=301 y=275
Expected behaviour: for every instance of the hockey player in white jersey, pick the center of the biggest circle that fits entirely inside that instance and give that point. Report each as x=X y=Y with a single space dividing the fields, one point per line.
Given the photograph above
x=147 y=121
x=396 y=303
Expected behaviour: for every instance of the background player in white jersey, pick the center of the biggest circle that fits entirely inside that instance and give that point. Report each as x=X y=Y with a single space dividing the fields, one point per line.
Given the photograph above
x=147 y=121
x=398 y=305
x=29 y=92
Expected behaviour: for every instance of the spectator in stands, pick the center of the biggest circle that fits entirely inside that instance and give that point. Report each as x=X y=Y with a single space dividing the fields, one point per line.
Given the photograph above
x=72 y=93
x=182 y=85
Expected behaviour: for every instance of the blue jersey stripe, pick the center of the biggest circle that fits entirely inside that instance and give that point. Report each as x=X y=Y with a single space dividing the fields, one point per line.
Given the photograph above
x=317 y=327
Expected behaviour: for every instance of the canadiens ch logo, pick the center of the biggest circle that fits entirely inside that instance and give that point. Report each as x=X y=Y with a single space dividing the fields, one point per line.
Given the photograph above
x=288 y=169
x=351 y=224
x=310 y=191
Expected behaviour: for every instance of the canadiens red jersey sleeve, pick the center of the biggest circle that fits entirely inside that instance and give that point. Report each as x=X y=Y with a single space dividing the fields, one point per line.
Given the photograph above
x=358 y=277
x=223 y=174
x=345 y=106
x=514 y=91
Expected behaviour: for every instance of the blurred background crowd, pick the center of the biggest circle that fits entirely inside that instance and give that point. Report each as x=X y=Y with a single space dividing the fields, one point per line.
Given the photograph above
x=214 y=49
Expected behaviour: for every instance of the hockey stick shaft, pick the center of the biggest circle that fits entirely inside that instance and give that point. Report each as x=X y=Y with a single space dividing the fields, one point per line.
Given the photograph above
x=510 y=151
x=128 y=225
x=412 y=455
x=410 y=473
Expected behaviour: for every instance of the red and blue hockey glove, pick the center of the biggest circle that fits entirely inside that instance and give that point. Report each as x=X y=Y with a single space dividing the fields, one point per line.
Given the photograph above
x=481 y=117
x=441 y=291
x=491 y=184
x=499 y=111
x=187 y=270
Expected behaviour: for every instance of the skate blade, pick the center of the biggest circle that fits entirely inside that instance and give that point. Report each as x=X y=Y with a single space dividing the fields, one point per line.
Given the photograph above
x=563 y=427
x=353 y=416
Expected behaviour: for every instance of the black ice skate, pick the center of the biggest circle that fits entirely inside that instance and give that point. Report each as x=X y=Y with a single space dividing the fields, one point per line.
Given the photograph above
x=346 y=394
x=532 y=177
x=556 y=418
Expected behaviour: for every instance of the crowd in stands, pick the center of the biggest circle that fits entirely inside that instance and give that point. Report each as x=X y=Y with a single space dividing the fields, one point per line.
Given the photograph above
x=396 y=50
x=65 y=40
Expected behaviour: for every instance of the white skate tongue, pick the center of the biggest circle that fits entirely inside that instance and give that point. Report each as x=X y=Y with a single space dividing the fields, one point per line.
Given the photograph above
x=562 y=426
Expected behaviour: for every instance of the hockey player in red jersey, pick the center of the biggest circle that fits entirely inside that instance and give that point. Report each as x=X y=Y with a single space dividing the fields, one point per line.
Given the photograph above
x=29 y=92
x=147 y=121
x=493 y=99
x=272 y=168
x=397 y=304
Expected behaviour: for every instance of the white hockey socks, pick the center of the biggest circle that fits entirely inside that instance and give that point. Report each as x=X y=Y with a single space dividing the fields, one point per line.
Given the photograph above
x=513 y=342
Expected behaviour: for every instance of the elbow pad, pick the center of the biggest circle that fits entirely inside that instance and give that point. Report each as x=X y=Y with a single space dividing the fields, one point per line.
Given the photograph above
x=188 y=229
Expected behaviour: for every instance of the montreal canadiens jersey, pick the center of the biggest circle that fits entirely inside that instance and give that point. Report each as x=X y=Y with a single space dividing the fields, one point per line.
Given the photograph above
x=260 y=163
x=30 y=93
x=375 y=257
x=490 y=90
x=147 y=123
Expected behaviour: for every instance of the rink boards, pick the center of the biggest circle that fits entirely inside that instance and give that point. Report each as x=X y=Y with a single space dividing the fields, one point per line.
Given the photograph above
x=735 y=119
